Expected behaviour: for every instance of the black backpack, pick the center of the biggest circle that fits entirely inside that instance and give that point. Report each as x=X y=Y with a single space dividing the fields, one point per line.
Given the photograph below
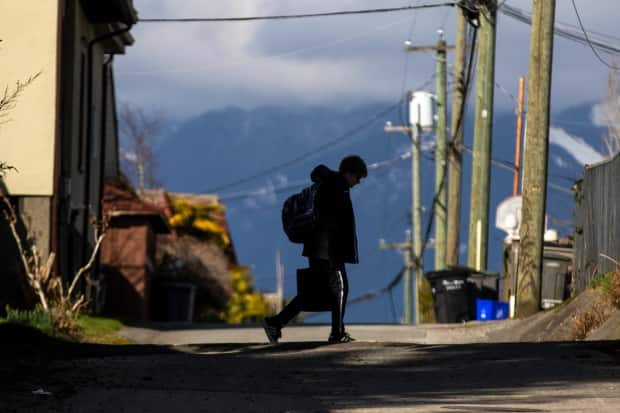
x=299 y=214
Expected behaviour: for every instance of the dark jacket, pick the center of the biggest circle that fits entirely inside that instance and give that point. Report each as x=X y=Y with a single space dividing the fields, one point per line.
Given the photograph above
x=335 y=238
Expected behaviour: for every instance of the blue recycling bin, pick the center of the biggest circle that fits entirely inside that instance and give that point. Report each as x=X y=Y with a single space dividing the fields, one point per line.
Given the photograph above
x=487 y=310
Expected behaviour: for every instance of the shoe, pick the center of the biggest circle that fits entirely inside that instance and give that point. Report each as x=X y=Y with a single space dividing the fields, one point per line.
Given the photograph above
x=272 y=331
x=340 y=338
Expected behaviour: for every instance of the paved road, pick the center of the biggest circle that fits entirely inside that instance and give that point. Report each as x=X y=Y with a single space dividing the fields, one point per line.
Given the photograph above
x=171 y=334
x=311 y=376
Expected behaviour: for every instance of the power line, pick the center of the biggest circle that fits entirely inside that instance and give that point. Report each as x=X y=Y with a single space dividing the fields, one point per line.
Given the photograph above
x=588 y=39
x=375 y=293
x=296 y=16
x=526 y=18
x=509 y=166
x=293 y=52
x=473 y=40
x=406 y=65
x=276 y=190
x=350 y=133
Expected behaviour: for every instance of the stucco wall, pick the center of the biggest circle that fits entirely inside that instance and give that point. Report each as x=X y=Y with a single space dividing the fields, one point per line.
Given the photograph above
x=29 y=33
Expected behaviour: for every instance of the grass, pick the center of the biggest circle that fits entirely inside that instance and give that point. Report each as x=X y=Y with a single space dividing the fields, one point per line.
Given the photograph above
x=36 y=318
x=588 y=319
x=603 y=281
x=609 y=283
x=99 y=330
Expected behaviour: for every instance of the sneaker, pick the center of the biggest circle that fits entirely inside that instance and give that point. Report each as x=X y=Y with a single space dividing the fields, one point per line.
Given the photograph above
x=272 y=331
x=340 y=338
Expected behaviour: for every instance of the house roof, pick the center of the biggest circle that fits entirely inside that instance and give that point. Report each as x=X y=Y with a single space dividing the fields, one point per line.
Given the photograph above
x=110 y=11
x=121 y=201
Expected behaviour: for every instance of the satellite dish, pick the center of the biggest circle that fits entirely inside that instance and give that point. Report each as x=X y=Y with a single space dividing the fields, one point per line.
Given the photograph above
x=508 y=216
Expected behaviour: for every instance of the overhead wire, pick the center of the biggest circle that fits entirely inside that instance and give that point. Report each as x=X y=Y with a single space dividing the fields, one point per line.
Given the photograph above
x=284 y=54
x=526 y=18
x=270 y=189
x=296 y=16
x=585 y=33
x=373 y=294
x=466 y=88
x=406 y=65
x=336 y=141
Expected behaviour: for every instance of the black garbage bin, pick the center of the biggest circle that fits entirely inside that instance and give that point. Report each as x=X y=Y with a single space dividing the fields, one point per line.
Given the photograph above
x=456 y=290
x=451 y=295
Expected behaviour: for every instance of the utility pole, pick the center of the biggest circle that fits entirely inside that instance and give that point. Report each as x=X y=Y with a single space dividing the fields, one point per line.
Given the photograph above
x=455 y=155
x=415 y=247
x=411 y=288
x=535 y=159
x=440 y=158
x=517 y=172
x=481 y=164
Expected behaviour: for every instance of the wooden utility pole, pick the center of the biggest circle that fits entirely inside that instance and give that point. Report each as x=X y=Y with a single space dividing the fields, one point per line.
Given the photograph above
x=410 y=288
x=416 y=211
x=455 y=155
x=517 y=172
x=416 y=219
x=535 y=159
x=481 y=163
x=440 y=160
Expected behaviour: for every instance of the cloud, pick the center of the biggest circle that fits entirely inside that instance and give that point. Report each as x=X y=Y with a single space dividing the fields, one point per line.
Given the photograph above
x=559 y=161
x=597 y=116
x=265 y=195
x=188 y=68
x=600 y=118
x=579 y=149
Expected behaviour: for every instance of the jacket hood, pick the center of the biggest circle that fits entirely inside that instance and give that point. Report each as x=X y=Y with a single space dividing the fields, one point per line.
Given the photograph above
x=321 y=173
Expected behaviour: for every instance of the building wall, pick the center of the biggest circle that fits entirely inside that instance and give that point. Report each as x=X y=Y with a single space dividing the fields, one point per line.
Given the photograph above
x=87 y=135
x=29 y=33
x=125 y=263
x=60 y=160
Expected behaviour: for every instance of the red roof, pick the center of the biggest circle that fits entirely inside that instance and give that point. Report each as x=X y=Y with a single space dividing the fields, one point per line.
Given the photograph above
x=121 y=201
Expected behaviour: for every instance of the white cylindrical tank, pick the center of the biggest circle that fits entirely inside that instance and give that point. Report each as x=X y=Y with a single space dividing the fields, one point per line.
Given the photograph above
x=422 y=109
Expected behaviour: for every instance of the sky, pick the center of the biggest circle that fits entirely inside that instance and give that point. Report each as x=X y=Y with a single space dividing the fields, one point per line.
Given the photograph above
x=188 y=68
x=185 y=69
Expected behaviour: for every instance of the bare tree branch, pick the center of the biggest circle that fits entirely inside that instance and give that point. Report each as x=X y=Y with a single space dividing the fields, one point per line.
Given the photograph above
x=88 y=265
x=32 y=271
x=141 y=130
x=9 y=98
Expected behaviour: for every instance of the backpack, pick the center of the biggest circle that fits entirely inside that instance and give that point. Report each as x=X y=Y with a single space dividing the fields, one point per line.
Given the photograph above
x=299 y=214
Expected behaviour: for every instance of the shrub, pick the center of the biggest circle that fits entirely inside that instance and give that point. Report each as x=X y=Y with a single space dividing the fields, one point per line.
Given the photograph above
x=590 y=318
x=609 y=283
x=614 y=289
x=245 y=303
x=602 y=281
x=198 y=219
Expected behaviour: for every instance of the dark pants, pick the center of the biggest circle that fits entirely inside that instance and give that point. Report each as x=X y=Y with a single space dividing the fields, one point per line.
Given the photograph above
x=340 y=289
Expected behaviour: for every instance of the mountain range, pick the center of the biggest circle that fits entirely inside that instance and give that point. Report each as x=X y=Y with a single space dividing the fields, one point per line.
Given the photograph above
x=256 y=158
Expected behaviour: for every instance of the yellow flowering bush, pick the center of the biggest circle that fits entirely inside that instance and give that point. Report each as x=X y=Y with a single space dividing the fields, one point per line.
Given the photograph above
x=198 y=219
x=245 y=304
